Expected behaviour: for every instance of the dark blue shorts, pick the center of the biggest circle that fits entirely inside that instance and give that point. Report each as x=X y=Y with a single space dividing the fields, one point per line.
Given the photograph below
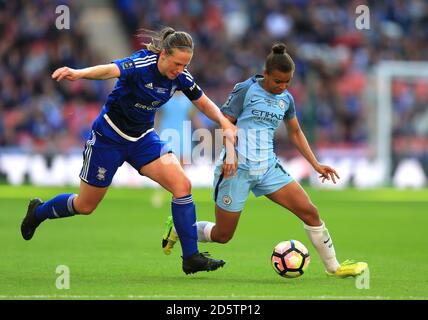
x=103 y=156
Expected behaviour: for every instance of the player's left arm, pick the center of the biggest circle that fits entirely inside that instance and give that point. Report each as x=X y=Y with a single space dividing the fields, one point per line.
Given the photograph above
x=298 y=138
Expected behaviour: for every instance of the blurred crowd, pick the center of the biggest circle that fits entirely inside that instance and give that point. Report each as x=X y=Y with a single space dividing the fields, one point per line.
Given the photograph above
x=36 y=113
x=333 y=59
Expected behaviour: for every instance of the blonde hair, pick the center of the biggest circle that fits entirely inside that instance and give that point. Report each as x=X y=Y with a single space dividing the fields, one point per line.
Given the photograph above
x=167 y=39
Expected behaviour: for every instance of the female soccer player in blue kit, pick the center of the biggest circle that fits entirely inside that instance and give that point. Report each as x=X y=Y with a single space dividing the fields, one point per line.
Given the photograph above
x=123 y=131
x=257 y=106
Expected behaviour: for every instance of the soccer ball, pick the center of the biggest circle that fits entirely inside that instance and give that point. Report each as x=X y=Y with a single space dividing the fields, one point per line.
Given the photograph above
x=290 y=258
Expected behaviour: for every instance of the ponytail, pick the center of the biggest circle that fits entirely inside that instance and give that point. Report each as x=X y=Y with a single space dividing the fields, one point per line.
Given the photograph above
x=167 y=39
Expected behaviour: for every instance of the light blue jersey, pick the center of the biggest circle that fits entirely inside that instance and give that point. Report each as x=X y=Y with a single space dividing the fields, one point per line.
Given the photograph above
x=258 y=113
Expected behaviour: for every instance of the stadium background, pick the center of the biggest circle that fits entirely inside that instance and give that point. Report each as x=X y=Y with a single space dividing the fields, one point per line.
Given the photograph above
x=334 y=84
x=44 y=124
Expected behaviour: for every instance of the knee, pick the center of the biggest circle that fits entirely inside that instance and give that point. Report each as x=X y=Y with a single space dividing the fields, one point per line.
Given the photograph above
x=182 y=187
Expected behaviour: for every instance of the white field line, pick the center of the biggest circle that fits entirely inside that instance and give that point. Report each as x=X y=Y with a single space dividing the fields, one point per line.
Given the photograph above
x=180 y=297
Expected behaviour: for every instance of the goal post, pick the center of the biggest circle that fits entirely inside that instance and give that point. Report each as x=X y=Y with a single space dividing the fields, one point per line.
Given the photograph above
x=385 y=72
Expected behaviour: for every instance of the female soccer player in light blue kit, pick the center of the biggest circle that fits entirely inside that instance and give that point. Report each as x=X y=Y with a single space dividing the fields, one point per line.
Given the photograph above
x=123 y=131
x=257 y=106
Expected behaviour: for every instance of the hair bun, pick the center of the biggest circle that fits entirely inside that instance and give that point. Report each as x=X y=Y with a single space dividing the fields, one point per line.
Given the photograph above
x=279 y=48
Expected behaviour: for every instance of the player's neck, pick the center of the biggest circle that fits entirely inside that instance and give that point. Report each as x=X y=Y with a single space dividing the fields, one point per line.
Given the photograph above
x=263 y=85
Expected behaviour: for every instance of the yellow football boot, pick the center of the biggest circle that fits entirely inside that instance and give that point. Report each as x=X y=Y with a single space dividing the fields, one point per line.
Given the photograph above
x=170 y=236
x=349 y=268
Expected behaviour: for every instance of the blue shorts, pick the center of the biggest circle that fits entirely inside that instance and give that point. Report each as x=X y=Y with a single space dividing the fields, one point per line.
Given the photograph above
x=231 y=194
x=103 y=156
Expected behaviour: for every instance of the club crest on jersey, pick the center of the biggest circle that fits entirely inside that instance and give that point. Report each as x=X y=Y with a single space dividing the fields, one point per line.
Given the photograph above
x=227 y=200
x=127 y=65
x=281 y=104
x=101 y=175
x=149 y=86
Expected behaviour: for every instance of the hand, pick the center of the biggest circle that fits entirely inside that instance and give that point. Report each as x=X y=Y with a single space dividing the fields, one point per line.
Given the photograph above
x=230 y=164
x=327 y=173
x=66 y=73
x=229 y=131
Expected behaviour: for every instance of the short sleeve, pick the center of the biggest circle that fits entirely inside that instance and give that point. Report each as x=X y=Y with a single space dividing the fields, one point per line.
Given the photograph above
x=126 y=67
x=189 y=86
x=291 y=111
x=235 y=103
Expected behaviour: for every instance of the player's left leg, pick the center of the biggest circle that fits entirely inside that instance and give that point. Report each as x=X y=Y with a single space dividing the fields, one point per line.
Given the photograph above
x=168 y=172
x=170 y=175
x=293 y=197
x=230 y=196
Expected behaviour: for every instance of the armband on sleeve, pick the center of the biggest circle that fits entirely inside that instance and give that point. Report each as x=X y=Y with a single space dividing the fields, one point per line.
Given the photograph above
x=193 y=93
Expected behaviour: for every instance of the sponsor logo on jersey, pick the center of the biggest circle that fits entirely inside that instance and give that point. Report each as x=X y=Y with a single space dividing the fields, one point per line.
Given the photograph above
x=144 y=107
x=267 y=115
x=160 y=90
x=154 y=105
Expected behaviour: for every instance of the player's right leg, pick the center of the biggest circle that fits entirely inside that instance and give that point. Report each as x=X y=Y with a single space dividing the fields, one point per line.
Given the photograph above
x=61 y=206
x=169 y=237
x=221 y=231
x=100 y=163
x=230 y=196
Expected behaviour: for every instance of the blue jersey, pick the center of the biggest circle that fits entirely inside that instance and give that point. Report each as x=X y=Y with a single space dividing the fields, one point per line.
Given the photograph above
x=139 y=92
x=258 y=114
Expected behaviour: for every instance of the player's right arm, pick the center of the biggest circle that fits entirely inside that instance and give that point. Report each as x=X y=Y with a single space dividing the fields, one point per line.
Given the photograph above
x=231 y=110
x=100 y=72
x=230 y=118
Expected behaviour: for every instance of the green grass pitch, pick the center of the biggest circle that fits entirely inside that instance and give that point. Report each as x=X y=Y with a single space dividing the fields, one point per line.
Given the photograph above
x=116 y=252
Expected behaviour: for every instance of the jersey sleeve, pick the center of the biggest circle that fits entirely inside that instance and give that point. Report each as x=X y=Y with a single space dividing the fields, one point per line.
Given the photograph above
x=235 y=103
x=189 y=86
x=291 y=111
x=126 y=67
